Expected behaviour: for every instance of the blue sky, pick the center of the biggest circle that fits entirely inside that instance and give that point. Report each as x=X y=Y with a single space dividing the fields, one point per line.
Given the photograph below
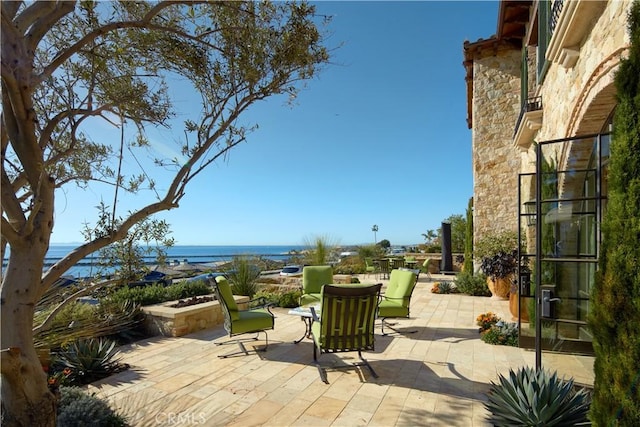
x=378 y=137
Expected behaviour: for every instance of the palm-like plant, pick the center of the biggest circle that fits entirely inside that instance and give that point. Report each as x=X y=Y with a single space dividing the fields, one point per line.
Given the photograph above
x=244 y=276
x=320 y=249
x=90 y=359
x=536 y=398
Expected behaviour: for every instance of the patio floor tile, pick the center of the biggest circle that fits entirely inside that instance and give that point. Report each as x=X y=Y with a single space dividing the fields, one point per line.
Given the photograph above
x=437 y=376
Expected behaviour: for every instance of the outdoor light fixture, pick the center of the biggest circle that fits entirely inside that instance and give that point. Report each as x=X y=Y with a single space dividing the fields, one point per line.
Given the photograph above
x=530 y=211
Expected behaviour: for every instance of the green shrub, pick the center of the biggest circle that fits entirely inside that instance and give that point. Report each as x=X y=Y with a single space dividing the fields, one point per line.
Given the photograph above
x=615 y=315
x=77 y=408
x=475 y=285
x=286 y=299
x=290 y=299
x=468 y=239
x=144 y=295
x=79 y=320
x=536 y=398
x=187 y=290
x=156 y=294
x=269 y=297
x=350 y=265
x=90 y=360
x=502 y=333
x=244 y=276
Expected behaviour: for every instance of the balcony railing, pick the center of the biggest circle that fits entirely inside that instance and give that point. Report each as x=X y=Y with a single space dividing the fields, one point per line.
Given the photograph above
x=556 y=10
x=529 y=121
x=530 y=104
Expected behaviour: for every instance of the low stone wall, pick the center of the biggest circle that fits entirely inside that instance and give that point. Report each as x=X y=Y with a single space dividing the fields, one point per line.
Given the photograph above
x=161 y=319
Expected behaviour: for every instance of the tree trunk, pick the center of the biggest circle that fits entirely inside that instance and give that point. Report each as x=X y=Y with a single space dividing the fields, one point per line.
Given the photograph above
x=26 y=398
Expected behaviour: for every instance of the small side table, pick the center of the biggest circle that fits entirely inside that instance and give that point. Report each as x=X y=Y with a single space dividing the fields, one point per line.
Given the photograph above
x=305 y=315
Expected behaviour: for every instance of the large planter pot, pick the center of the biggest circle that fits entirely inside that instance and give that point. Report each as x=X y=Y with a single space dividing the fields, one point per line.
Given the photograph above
x=514 y=301
x=500 y=287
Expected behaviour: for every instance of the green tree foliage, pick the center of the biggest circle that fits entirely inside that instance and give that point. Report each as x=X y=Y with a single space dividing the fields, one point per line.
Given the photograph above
x=468 y=239
x=384 y=243
x=70 y=68
x=149 y=237
x=430 y=236
x=615 y=314
x=458 y=232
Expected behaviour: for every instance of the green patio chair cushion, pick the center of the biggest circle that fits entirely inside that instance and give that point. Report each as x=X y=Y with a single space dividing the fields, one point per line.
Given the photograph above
x=310 y=299
x=227 y=296
x=397 y=296
x=256 y=319
x=313 y=278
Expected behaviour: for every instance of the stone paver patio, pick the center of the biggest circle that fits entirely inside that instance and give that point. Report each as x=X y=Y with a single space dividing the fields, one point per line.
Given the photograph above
x=436 y=376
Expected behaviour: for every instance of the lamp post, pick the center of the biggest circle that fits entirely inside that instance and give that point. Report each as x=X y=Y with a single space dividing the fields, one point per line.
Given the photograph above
x=375 y=230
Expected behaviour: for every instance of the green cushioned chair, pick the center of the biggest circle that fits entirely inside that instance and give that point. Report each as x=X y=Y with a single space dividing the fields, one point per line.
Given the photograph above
x=237 y=322
x=347 y=322
x=313 y=278
x=370 y=266
x=397 y=297
x=425 y=267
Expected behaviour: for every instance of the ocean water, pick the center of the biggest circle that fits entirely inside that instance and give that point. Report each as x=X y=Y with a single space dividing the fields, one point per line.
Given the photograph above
x=192 y=254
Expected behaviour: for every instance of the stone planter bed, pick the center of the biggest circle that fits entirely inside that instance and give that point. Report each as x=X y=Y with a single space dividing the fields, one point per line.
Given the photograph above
x=161 y=319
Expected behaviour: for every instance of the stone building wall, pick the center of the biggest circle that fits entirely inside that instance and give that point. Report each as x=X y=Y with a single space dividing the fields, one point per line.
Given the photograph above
x=599 y=54
x=496 y=162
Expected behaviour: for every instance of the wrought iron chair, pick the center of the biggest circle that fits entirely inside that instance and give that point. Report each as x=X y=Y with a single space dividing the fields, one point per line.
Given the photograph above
x=426 y=264
x=397 y=263
x=384 y=267
x=346 y=323
x=370 y=266
x=238 y=322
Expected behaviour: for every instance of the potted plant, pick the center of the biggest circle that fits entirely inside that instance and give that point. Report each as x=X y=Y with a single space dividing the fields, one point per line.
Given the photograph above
x=498 y=256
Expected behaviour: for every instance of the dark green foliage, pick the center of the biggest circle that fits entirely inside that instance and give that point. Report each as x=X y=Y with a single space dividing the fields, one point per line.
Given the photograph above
x=469 y=284
x=244 y=276
x=501 y=333
x=433 y=249
x=384 y=243
x=286 y=299
x=78 y=408
x=615 y=314
x=90 y=359
x=468 y=239
x=268 y=297
x=458 y=232
x=536 y=398
x=78 y=320
x=350 y=265
x=187 y=290
x=289 y=299
x=156 y=294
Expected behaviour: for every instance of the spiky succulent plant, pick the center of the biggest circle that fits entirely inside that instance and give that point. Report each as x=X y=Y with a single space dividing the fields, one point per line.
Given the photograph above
x=90 y=359
x=537 y=398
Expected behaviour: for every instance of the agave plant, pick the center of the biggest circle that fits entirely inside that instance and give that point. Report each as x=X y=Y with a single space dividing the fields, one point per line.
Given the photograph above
x=90 y=359
x=537 y=398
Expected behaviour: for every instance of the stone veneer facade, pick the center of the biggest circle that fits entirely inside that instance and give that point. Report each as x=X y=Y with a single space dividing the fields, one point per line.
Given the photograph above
x=577 y=99
x=496 y=163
